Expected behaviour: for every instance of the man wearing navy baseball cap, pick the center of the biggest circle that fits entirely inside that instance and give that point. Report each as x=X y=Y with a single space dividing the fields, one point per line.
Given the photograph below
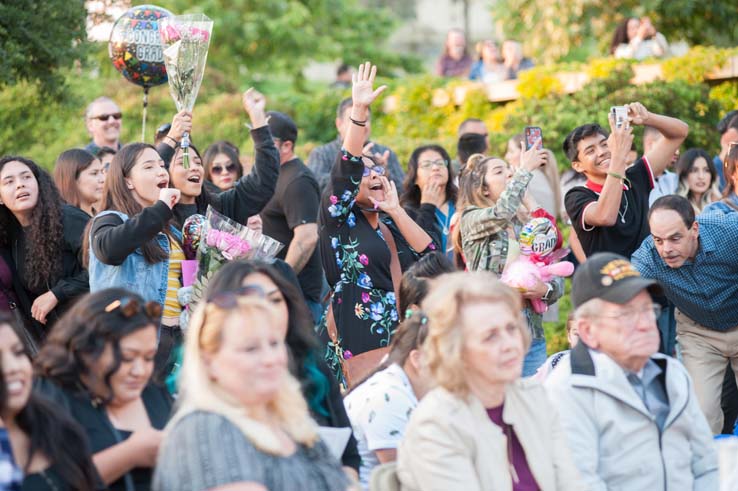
x=630 y=413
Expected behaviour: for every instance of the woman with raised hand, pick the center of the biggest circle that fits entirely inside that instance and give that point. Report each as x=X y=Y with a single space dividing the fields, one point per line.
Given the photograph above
x=282 y=289
x=132 y=243
x=482 y=427
x=430 y=193
x=97 y=364
x=80 y=178
x=494 y=206
x=48 y=450
x=44 y=238
x=363 y=252
x=227 y=434
x=248 y=195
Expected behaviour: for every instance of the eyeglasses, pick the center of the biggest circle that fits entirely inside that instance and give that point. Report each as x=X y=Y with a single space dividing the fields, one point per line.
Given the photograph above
x=428 y=164
x=229 y=299
x=105 y=117
x=128 y=307
x=380 y=170
x=164 y=128
x=217 y=169
x=652 y=312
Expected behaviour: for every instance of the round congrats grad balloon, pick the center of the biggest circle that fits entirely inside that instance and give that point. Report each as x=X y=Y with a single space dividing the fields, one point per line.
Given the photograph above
x=135 y=45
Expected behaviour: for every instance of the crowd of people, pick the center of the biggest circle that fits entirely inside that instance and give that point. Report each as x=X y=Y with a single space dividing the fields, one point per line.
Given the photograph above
x=383 y=347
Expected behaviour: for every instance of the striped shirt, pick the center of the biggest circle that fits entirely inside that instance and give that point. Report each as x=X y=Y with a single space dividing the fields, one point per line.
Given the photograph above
x=172 y=308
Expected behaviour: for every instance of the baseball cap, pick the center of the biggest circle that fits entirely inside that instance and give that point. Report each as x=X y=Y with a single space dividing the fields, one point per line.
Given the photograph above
x=610 y=277
x=281 y=126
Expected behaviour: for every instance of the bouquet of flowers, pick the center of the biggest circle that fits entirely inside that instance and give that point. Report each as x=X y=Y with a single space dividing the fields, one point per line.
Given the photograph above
x=216 y=239
x=186 y=39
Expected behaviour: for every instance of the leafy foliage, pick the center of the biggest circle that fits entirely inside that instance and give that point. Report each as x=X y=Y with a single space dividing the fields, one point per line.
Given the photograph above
x=257 y=39
x=552 y=29
x=38 y=38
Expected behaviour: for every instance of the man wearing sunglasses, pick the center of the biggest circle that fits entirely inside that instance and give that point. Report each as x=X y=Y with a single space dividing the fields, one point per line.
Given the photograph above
x=103 y=118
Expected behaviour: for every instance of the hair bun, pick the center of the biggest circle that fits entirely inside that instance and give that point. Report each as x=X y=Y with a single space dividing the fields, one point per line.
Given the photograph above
x=473 y=161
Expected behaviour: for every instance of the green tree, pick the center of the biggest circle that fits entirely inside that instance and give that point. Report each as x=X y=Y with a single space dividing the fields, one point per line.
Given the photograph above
x=263 y=38
x=553 y=29
x=39 y=38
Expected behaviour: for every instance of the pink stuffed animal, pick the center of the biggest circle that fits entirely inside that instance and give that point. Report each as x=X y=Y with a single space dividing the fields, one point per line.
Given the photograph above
x=538 y=260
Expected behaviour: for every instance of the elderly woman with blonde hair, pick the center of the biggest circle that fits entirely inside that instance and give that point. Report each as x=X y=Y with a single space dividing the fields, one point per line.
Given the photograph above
x=483 y=427
x=242 y=423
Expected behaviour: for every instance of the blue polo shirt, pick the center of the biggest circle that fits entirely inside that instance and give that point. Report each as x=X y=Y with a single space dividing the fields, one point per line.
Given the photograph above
x=706 y=289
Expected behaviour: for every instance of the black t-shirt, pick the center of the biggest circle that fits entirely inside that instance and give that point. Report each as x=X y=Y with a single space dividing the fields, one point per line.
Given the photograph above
x=631 y=226
x=295 y=202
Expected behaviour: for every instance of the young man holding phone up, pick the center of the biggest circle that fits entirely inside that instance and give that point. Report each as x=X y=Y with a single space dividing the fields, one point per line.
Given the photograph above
x=609 y=212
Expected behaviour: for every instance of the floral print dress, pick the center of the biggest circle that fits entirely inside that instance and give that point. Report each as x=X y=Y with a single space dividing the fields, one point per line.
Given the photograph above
x=356 y=260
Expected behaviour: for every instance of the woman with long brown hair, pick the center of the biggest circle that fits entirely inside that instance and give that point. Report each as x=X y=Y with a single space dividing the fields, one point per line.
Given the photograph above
x=80 y=178
x=44 y=238
x=132 y=244
x=494 y=205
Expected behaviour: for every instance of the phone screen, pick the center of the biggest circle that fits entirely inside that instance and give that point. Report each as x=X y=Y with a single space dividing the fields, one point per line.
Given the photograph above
x=533 y=135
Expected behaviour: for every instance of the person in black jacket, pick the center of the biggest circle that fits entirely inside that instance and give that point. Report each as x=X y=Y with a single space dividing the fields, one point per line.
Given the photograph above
x=430 y=193
x=44 y=237
x=319 y=387
x=250 y=193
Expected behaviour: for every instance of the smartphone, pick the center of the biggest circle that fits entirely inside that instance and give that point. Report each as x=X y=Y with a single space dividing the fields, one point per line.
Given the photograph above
x=533 y=136
x=620 y=115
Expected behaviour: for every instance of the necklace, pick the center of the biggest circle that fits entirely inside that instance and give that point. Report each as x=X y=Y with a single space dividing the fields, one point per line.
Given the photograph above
x=444 y=222
x=622 y=215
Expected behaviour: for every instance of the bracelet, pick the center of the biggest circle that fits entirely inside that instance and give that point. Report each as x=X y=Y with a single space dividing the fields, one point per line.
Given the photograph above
x=172 y=140
x=618 y=176
x=358 y=123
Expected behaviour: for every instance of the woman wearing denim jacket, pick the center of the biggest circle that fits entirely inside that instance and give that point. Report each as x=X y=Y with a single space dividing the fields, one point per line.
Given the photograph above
x=494 y=207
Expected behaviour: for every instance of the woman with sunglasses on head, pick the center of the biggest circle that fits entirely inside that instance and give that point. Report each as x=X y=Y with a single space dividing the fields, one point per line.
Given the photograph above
x=698 y=179
x=80 y=178
x=44 y=238
x=293 y=320
x=46 y=449
x=97 y=364
x=430 y=192
x=357 y=246
x=248 y=195
x=494 y=205
x=228 y=434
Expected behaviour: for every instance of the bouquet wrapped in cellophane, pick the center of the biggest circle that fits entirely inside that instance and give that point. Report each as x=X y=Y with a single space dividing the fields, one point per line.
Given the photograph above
x=186 y=40
x=214 y=240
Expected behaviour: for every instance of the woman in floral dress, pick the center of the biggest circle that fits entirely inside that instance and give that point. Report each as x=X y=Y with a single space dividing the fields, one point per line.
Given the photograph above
x=355 y=255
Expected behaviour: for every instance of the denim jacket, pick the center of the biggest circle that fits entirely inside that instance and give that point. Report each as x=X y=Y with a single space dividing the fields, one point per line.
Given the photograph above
x=134 y=274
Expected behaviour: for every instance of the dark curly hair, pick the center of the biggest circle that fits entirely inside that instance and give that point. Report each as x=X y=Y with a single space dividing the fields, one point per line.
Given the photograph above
x=412 y=195
x=79 y=339
x=43 y=241
x=51 y=432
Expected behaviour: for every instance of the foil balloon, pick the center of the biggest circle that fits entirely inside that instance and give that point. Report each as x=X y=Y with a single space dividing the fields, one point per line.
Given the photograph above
x=192 y=231
x=538 y=237
x=135 y=45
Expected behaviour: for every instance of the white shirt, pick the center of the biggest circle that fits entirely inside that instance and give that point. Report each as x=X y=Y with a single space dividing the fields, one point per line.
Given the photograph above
x=379 y=410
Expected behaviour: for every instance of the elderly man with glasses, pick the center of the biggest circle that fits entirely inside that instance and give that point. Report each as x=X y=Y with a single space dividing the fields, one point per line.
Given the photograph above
x=103 y=118
x=630 y=414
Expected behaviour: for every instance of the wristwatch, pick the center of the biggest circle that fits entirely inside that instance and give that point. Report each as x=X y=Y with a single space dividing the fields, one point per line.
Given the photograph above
x=549 y=290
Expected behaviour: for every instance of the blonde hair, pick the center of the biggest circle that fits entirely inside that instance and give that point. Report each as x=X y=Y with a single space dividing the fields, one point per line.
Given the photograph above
x=199 y=393
x=444 y=344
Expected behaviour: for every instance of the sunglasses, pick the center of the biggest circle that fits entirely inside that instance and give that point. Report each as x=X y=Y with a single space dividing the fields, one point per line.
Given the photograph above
x=128 y=307
x=229 y=299
x=230 y=169
x=105 y=117
x=378 y=169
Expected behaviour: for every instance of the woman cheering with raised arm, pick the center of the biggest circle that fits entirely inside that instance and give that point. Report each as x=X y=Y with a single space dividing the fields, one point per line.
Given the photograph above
x=363 y=252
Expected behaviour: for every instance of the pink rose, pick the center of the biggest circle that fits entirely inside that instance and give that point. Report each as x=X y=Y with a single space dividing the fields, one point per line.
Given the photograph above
x=170 y=34
x=334 y=199
x=365 y=297
x=363 y=259
x=212 y=238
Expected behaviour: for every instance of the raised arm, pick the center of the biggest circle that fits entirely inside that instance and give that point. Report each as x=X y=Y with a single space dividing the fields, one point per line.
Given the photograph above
x=362 y=95
x=604 y=211
x=253 y=191
x=674 y=132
